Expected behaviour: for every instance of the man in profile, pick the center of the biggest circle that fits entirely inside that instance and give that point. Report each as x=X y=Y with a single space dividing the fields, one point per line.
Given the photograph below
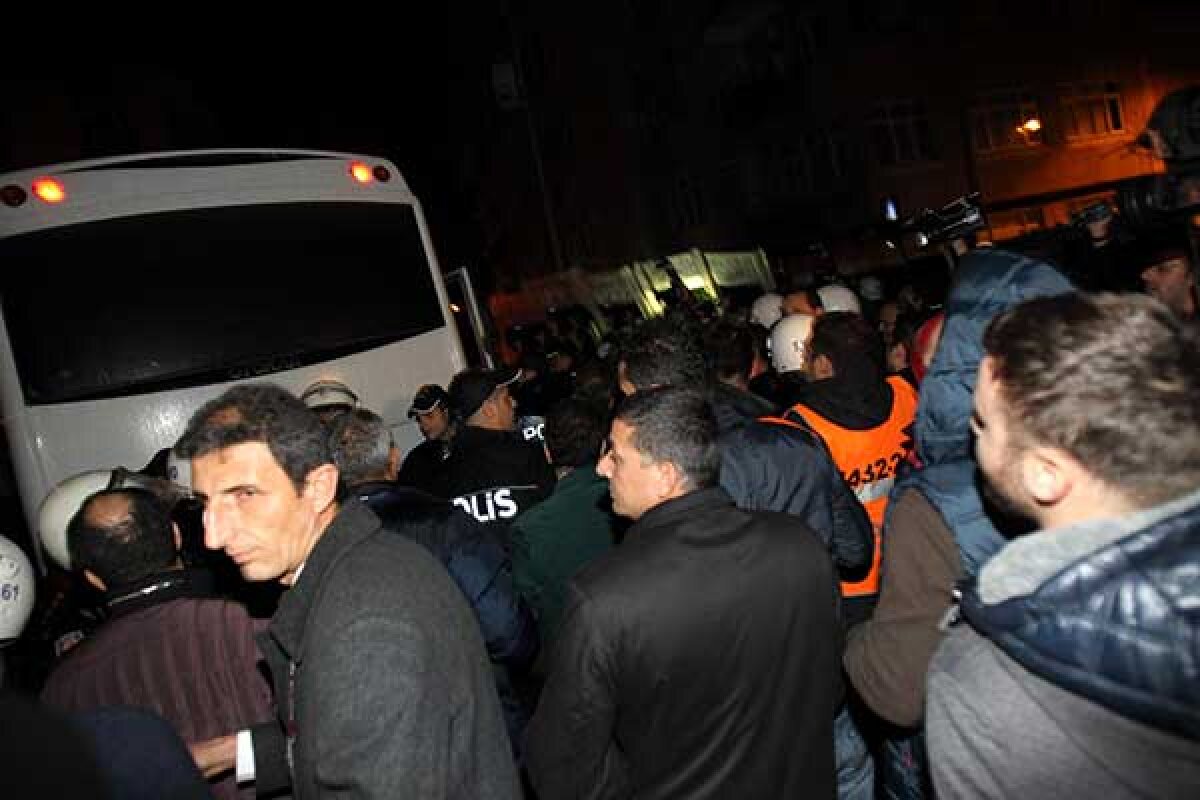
x=698 y=659
x=1076 y=673
x=382 y=686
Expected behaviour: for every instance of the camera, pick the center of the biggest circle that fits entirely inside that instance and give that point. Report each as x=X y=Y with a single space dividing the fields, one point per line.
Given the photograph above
x=957 y=219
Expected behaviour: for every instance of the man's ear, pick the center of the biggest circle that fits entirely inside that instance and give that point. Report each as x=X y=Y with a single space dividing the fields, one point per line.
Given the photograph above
x=320 y=486
x=669 y=478
x=623 y=383
x=1049 y=475
x=488 y=409
x=822 y=367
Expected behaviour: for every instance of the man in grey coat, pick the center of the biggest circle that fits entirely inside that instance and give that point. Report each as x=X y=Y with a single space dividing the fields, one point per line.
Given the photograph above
x=382 y=685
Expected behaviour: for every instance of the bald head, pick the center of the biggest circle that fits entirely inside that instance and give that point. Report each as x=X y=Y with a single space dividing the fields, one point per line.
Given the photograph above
x=121 y=536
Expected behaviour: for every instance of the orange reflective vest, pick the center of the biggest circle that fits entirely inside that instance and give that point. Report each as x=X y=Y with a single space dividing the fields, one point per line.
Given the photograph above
x=868 y=460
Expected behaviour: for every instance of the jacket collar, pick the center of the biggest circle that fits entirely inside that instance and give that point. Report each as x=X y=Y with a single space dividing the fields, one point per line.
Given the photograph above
x=353 y=524
x=472 y=435
x=579 y=477
x=368 y=490
x=1028 y=562
x=689 y=506
x=159 y=588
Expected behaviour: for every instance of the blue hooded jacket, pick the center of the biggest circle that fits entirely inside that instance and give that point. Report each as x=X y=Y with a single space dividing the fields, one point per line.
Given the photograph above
x=987 y=282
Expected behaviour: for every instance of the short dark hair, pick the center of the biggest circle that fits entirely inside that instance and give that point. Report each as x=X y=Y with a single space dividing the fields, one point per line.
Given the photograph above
x=575 y=429
x=360 y=444
x=731 y=348
x=675 y=425
x=260 y=412
x=1111 y=379
x=594 y=382
x=122 y=548
x=849 y=341
x=661 y=353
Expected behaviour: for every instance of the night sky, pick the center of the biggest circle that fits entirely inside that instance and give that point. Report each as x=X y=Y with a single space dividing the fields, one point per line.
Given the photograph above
x=370 y=84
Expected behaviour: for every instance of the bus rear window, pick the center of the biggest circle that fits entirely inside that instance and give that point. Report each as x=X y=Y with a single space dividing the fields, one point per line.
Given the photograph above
x=177 y=299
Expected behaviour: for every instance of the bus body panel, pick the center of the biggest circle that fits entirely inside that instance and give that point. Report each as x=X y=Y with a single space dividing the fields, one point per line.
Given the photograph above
x=51 y=441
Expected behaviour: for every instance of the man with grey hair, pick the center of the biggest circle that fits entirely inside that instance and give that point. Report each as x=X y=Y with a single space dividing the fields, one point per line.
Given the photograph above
x=365 y=454
x=1076 y=673
x=698 y=659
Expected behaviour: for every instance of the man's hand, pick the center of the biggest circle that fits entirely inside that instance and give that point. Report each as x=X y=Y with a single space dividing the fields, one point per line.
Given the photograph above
x=215 y=755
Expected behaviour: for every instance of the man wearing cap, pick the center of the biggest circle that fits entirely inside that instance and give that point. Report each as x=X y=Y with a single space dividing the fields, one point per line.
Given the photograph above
x=424 y=464
x=1169 y=273
x=328 y=399
x=491 y=472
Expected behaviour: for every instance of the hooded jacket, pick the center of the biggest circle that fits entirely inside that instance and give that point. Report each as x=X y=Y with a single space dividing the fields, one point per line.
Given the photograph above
x=936 y=527
x=988 y=282
x=1077 y=673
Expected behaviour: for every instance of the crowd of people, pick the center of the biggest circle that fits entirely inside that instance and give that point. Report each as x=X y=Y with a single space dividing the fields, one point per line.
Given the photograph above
x=832 y=543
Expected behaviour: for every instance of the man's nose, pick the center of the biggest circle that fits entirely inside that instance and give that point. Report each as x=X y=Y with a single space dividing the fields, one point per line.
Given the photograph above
x=214 y=527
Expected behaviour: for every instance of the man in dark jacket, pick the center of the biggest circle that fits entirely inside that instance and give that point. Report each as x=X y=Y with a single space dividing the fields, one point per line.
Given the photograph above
x=382 y=685
x=575 y=524
x=771 y=464
x=365 y=454
x=1076 y=673
x=765 y=465
x=698 y=659
x=492 y=473
x=170 y=644
x=424 y=464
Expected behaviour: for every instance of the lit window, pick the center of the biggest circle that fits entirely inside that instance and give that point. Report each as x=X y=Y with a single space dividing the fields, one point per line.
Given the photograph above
x=999 y=121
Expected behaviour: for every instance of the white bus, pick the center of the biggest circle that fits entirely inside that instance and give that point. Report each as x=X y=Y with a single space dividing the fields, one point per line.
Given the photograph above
x=136 y=288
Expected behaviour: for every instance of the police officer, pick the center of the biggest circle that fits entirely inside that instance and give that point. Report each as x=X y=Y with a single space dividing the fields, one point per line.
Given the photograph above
x=492 y=472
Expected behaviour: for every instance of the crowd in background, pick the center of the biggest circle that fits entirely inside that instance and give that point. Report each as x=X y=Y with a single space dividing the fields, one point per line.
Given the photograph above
x=868 y=538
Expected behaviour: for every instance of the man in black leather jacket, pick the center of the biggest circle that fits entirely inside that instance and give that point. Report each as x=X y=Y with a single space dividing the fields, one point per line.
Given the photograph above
x=698 y=659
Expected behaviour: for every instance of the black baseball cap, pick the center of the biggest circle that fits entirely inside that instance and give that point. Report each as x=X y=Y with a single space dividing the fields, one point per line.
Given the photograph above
x=428 y=398
x=471 y=387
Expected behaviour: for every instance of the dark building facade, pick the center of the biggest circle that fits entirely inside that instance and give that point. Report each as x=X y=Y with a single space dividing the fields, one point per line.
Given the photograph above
x=627 y=131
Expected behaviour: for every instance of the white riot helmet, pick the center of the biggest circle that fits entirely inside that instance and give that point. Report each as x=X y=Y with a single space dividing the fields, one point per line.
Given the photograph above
x=789 y=341
x=60 y=505
x=65 y=500
x=17 y=583
x=838 y=298
x=767 y=310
